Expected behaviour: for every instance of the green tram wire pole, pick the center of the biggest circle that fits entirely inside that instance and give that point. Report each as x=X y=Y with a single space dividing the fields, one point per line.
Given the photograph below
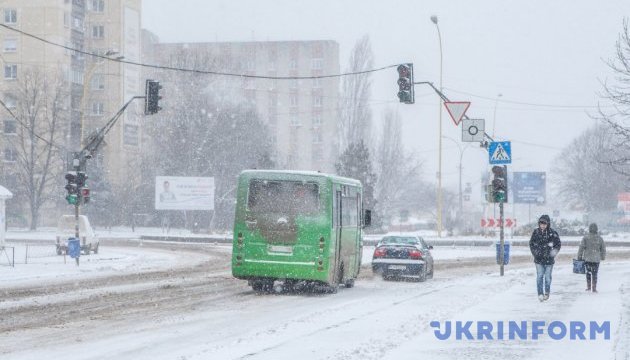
x=483 y=144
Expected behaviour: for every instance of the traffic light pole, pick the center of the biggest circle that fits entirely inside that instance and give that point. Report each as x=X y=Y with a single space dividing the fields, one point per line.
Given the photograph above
x=501 y=240
x=86 y=153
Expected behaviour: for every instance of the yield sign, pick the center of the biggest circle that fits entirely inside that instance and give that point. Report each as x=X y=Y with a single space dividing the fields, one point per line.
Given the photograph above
x=457 y=109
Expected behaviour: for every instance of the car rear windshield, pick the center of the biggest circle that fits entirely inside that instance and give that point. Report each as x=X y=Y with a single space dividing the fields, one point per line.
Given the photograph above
x=399 y=240
x=283 y=196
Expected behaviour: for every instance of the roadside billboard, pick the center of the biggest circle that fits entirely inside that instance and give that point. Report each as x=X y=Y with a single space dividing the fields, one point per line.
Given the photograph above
x=529 y=187
x=184 y=193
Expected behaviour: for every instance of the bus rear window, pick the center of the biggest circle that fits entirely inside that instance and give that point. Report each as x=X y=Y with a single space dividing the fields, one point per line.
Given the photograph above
x=273 y=196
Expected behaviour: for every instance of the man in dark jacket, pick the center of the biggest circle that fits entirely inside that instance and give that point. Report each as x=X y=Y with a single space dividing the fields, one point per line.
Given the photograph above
x=544 y=245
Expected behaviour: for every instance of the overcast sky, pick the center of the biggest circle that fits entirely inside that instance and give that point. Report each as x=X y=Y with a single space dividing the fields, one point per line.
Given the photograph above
x=538 y=52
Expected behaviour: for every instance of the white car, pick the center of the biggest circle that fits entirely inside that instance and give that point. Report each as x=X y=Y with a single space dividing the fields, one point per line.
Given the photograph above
x=66 y=229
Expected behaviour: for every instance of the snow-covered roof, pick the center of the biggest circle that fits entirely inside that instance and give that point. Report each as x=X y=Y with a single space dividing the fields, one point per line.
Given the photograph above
x=5 y=193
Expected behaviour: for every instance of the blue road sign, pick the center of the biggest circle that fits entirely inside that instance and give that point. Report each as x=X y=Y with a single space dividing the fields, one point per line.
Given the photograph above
x=529 y=187
x=500 y=153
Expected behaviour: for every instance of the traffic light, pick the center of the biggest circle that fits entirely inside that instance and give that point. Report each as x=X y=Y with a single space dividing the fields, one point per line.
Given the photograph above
x=85 y=195
x=73 y=191
x=405 y=83
x=152 y=97
x=499 y=184
x=81 y=178
x=487 y=189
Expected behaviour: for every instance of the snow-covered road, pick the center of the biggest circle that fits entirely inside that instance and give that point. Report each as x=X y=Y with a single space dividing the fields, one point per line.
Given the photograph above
x=200 y=312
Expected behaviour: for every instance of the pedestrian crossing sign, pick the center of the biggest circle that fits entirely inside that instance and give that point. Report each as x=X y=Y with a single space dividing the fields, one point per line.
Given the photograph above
x=500 y=153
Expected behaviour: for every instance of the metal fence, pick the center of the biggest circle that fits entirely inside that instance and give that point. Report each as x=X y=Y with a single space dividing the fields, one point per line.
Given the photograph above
x=26 y=253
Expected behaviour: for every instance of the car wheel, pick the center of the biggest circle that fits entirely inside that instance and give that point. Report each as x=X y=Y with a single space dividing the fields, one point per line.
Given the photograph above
x=430 y=276
x=96 y=249
x=349 y=283
x=423 y=274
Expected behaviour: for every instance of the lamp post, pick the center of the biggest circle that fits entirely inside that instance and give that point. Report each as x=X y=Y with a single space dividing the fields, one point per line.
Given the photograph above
x=461 y=158
x=434 y=19
x=494 y=116
x=87 y=83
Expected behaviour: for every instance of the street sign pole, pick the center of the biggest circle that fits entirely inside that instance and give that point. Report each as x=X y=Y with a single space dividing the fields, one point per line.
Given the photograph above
x=501 y=240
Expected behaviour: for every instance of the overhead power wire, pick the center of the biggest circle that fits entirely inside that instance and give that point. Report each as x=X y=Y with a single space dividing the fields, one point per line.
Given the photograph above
x=559 y=106
x=22 y=124
x=196 y=71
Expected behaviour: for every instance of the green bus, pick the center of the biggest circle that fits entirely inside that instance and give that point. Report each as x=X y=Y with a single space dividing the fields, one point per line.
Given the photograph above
x=298 y=227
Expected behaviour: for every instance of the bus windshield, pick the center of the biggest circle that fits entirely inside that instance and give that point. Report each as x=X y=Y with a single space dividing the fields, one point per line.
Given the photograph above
x=283 y=196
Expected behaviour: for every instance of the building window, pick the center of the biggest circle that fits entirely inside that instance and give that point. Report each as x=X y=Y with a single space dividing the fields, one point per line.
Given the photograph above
x=251 y=65
x=98 y=31
x=77 y=77
x=10 y=72
x=10 y=101
x=293 y=64
x=293 y=84
x=273 y=84
x=317 y=137
x=98 y=108
x=77 y=23
x=10 y=45
x=293 y=100
x=318 y=101
x=272 y=65
x=97 y=82
x=317 y=83
x=98 y=5
x=317 y=120
x=249 y=84
x=66 y=19
x=295 y=119
x=10 y=16
x=317 y=64
x=318 y=154
x=10 y=155
x=10 y=127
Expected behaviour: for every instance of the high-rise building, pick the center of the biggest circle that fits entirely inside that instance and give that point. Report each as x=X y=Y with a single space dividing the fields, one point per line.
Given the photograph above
x=97 y=88
x=301 y=113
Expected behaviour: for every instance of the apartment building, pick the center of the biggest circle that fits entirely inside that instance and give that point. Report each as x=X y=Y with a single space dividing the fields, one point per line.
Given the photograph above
x=301 y=113
x=96 y=88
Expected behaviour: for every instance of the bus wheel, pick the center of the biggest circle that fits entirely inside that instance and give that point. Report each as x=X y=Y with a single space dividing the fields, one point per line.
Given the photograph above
x=262 y=285
x=349 y=283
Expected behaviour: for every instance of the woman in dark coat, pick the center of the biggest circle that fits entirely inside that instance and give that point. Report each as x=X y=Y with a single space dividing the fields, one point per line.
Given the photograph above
x=592 y=250
x=544 y=245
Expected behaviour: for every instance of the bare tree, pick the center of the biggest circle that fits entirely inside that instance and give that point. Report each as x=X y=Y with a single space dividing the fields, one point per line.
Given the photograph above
x=618 y=92
x=583 y=178
x=203 y=132
x=41 y=108
x=395 y=168
x=355 y=114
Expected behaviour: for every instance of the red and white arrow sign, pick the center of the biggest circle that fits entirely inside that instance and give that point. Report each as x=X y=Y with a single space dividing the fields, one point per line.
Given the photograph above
x=490 y=223
x=457 y=109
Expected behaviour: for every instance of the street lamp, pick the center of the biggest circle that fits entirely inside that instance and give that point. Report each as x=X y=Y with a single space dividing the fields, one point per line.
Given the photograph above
x=461 y=158
x=434 y=20
x=87 y=80
x=494 y=116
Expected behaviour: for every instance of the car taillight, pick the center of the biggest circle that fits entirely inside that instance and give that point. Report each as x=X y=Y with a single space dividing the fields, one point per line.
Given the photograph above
x=415 y=254
x=380 y=252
